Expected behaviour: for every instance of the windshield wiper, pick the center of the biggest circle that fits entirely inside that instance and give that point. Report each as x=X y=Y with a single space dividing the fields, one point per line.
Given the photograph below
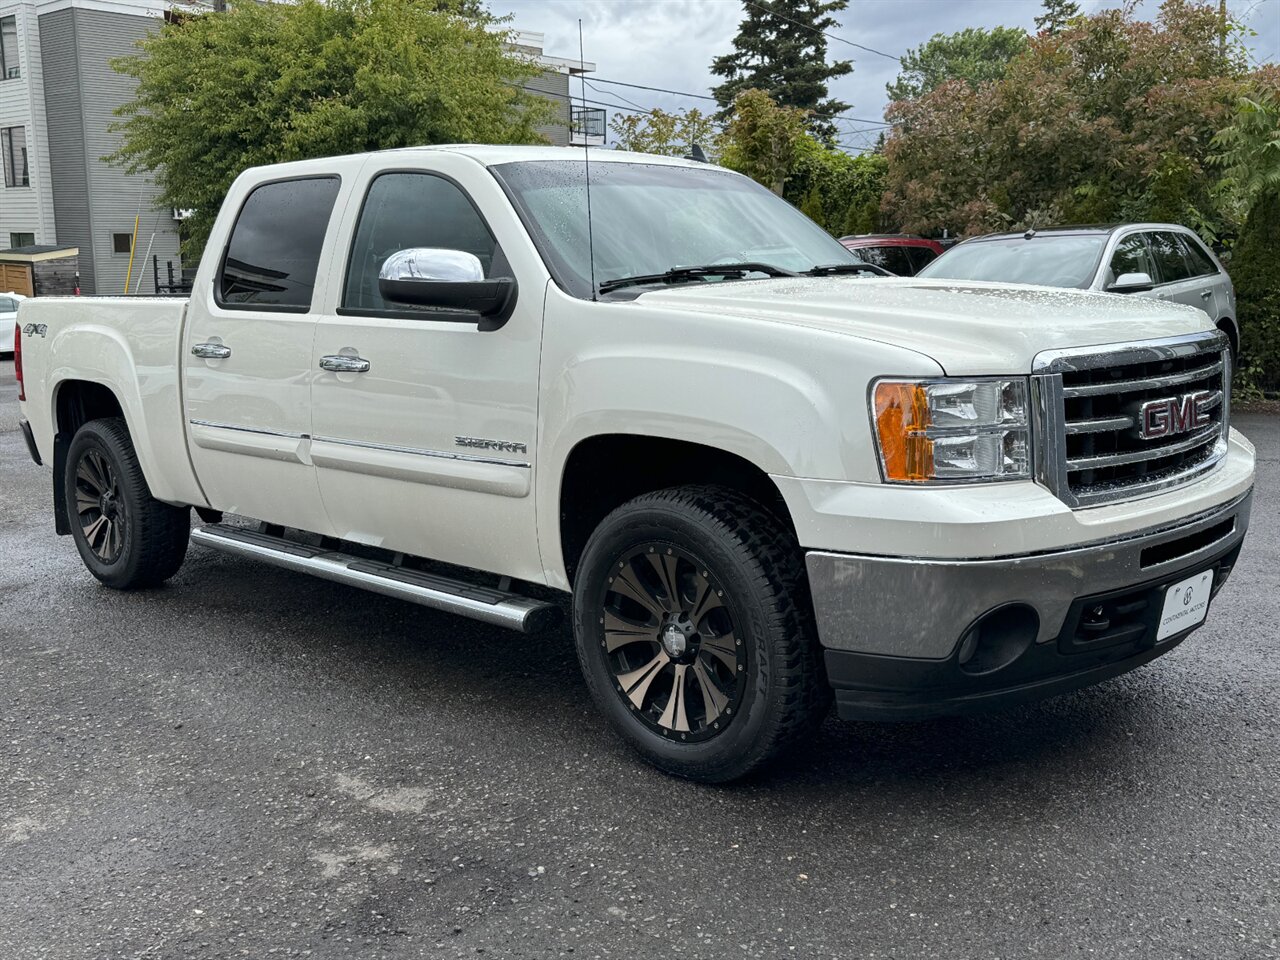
x=832 y=269
x=683 y=274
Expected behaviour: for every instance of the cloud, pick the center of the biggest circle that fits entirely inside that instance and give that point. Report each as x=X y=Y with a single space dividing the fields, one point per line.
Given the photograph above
x=671 y=43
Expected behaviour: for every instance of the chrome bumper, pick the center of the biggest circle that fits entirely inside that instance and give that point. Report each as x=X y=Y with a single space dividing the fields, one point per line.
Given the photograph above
x=917 y=608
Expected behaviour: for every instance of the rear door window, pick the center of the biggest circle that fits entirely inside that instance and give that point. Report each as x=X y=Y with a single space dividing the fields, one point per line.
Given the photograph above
x=275 y=246
x=893 y=259
x=1170 y=257
x=921 y=257
x=1202 y=264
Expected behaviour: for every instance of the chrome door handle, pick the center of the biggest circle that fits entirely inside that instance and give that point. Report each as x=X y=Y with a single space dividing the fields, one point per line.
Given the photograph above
x=211 y=351
x=341 y=363
x=1206 y=294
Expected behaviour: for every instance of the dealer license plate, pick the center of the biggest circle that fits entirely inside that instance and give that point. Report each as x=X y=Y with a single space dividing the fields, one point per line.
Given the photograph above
x=1185 y=604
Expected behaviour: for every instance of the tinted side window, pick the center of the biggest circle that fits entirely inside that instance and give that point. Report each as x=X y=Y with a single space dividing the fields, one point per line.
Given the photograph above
x=1171 y=262
x=275 y=245
x=893 y=259
x=1131 y=256
x=404 y=210
x=8 y=305
x=1202 y=264
x=921 y=257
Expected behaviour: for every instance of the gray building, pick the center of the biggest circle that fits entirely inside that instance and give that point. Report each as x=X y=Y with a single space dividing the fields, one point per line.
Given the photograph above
x=576 y=124
x=57 y=100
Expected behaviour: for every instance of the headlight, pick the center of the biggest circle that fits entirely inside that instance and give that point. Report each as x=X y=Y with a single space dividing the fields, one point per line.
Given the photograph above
x=952 y=430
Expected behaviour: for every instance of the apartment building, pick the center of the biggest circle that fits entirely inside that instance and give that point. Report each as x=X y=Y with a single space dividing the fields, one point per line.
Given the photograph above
x=575 y=124
x=57 y=101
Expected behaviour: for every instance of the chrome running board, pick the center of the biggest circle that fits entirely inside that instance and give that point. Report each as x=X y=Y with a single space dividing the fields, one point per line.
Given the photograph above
x=498 y=607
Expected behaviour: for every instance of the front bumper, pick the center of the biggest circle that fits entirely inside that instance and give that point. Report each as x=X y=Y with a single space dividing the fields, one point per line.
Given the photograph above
x=893 y=627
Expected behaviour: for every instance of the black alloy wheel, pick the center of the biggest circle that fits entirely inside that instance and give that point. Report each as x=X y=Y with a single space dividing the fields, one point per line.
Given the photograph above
x=695 y=632
x=99 y=505
x=670 y=642
x=126 y=537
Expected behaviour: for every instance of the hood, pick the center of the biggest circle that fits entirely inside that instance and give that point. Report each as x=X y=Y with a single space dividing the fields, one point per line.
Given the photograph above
x=966 y=326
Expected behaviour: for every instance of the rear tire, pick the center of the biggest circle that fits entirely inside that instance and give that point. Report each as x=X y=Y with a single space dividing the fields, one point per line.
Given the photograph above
x=125 y=536
x=693 y=628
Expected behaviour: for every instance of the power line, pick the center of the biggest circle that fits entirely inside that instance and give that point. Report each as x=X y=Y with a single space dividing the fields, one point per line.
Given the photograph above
x=588 y=83
x=829 y=36
x=703 y=96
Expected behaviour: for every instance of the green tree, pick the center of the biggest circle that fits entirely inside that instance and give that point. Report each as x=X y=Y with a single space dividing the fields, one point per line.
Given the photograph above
x=781 y=49
x=973 y=55
x=1249 y=145
x=836 y=189
x=1057 y=14
x=1110 y=119
x=668 y=134
x=1249 y=156
x=265 y=83
x=763 y=139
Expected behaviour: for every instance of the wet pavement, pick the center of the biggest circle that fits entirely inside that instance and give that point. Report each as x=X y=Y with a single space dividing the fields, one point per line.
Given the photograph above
x=248 y=762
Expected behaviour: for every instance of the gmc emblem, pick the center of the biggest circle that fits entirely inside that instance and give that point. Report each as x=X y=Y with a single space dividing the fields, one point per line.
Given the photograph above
x=1170 y=416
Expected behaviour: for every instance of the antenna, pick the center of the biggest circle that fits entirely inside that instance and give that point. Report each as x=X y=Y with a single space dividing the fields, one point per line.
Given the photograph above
x=586 y=162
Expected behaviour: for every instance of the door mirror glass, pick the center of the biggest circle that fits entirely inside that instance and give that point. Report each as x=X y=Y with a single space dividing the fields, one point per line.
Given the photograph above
x=446 y=279
x=1131 y=283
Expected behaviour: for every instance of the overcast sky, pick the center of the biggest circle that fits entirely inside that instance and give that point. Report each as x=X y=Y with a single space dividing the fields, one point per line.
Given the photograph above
x=670 y=43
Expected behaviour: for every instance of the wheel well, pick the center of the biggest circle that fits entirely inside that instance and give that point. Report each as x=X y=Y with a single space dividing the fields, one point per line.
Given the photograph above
x=80 y=401
x=1229 y=328
x=604 y=472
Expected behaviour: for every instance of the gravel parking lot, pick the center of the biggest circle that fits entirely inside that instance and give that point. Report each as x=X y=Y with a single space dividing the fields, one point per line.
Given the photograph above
x=253 y=763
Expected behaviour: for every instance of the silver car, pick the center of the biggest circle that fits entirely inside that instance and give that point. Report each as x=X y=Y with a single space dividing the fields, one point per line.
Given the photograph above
x=1160 y=260
x=8 y=320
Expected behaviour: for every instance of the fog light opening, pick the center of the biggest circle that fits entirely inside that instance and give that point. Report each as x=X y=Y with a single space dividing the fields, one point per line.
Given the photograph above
x=998 y=638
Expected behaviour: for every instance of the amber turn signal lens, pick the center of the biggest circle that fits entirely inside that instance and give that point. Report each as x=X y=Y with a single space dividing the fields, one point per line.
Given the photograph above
x=902 y=417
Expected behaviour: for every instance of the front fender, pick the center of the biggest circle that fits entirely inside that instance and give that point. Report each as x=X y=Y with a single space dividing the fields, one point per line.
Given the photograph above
x=791 y=402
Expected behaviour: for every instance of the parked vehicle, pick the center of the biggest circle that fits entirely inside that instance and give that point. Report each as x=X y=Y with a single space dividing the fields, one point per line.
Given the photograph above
x=756 y=476
x=8 y=318
x=1160 y=260
x=901 y=255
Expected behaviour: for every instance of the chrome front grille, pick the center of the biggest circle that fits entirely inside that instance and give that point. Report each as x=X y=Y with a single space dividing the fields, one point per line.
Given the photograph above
x=1099 y=415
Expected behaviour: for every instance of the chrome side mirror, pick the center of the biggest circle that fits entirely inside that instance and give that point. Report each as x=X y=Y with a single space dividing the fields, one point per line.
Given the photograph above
x=452 y=280
x=1131 y=283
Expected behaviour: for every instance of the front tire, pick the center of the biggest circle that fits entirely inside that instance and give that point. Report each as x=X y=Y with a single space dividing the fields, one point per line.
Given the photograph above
x=693 y=628
x=125 y=536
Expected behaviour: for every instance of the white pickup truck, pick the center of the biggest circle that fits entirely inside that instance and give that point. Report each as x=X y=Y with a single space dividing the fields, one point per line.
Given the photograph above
x=764 y=476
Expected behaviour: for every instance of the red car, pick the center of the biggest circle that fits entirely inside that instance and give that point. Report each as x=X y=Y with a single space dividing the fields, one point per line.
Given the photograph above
x=898 y=253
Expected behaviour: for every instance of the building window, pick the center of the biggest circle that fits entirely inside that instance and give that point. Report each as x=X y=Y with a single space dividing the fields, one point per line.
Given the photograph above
x=121 y=242
x=9 y=65
x=13 y=143
x=22 y=240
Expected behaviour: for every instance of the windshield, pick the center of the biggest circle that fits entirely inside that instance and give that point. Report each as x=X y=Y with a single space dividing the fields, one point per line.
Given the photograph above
x=647 y=218
x=1052 y=261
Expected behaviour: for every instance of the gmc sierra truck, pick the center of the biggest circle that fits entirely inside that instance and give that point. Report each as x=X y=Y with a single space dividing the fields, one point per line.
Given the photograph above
x=481 y=378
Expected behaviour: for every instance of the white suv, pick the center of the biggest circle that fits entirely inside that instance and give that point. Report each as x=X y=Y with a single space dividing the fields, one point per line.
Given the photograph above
x=1161 y=260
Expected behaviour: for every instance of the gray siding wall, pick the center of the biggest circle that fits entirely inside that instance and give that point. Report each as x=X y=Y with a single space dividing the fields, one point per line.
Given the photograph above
x=92 y=198
x=26 y=209
x=115 y=196
x=67 y=169
x=556 y=87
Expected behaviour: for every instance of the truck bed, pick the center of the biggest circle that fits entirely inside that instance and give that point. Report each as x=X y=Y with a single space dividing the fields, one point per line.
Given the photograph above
x=132 y=346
